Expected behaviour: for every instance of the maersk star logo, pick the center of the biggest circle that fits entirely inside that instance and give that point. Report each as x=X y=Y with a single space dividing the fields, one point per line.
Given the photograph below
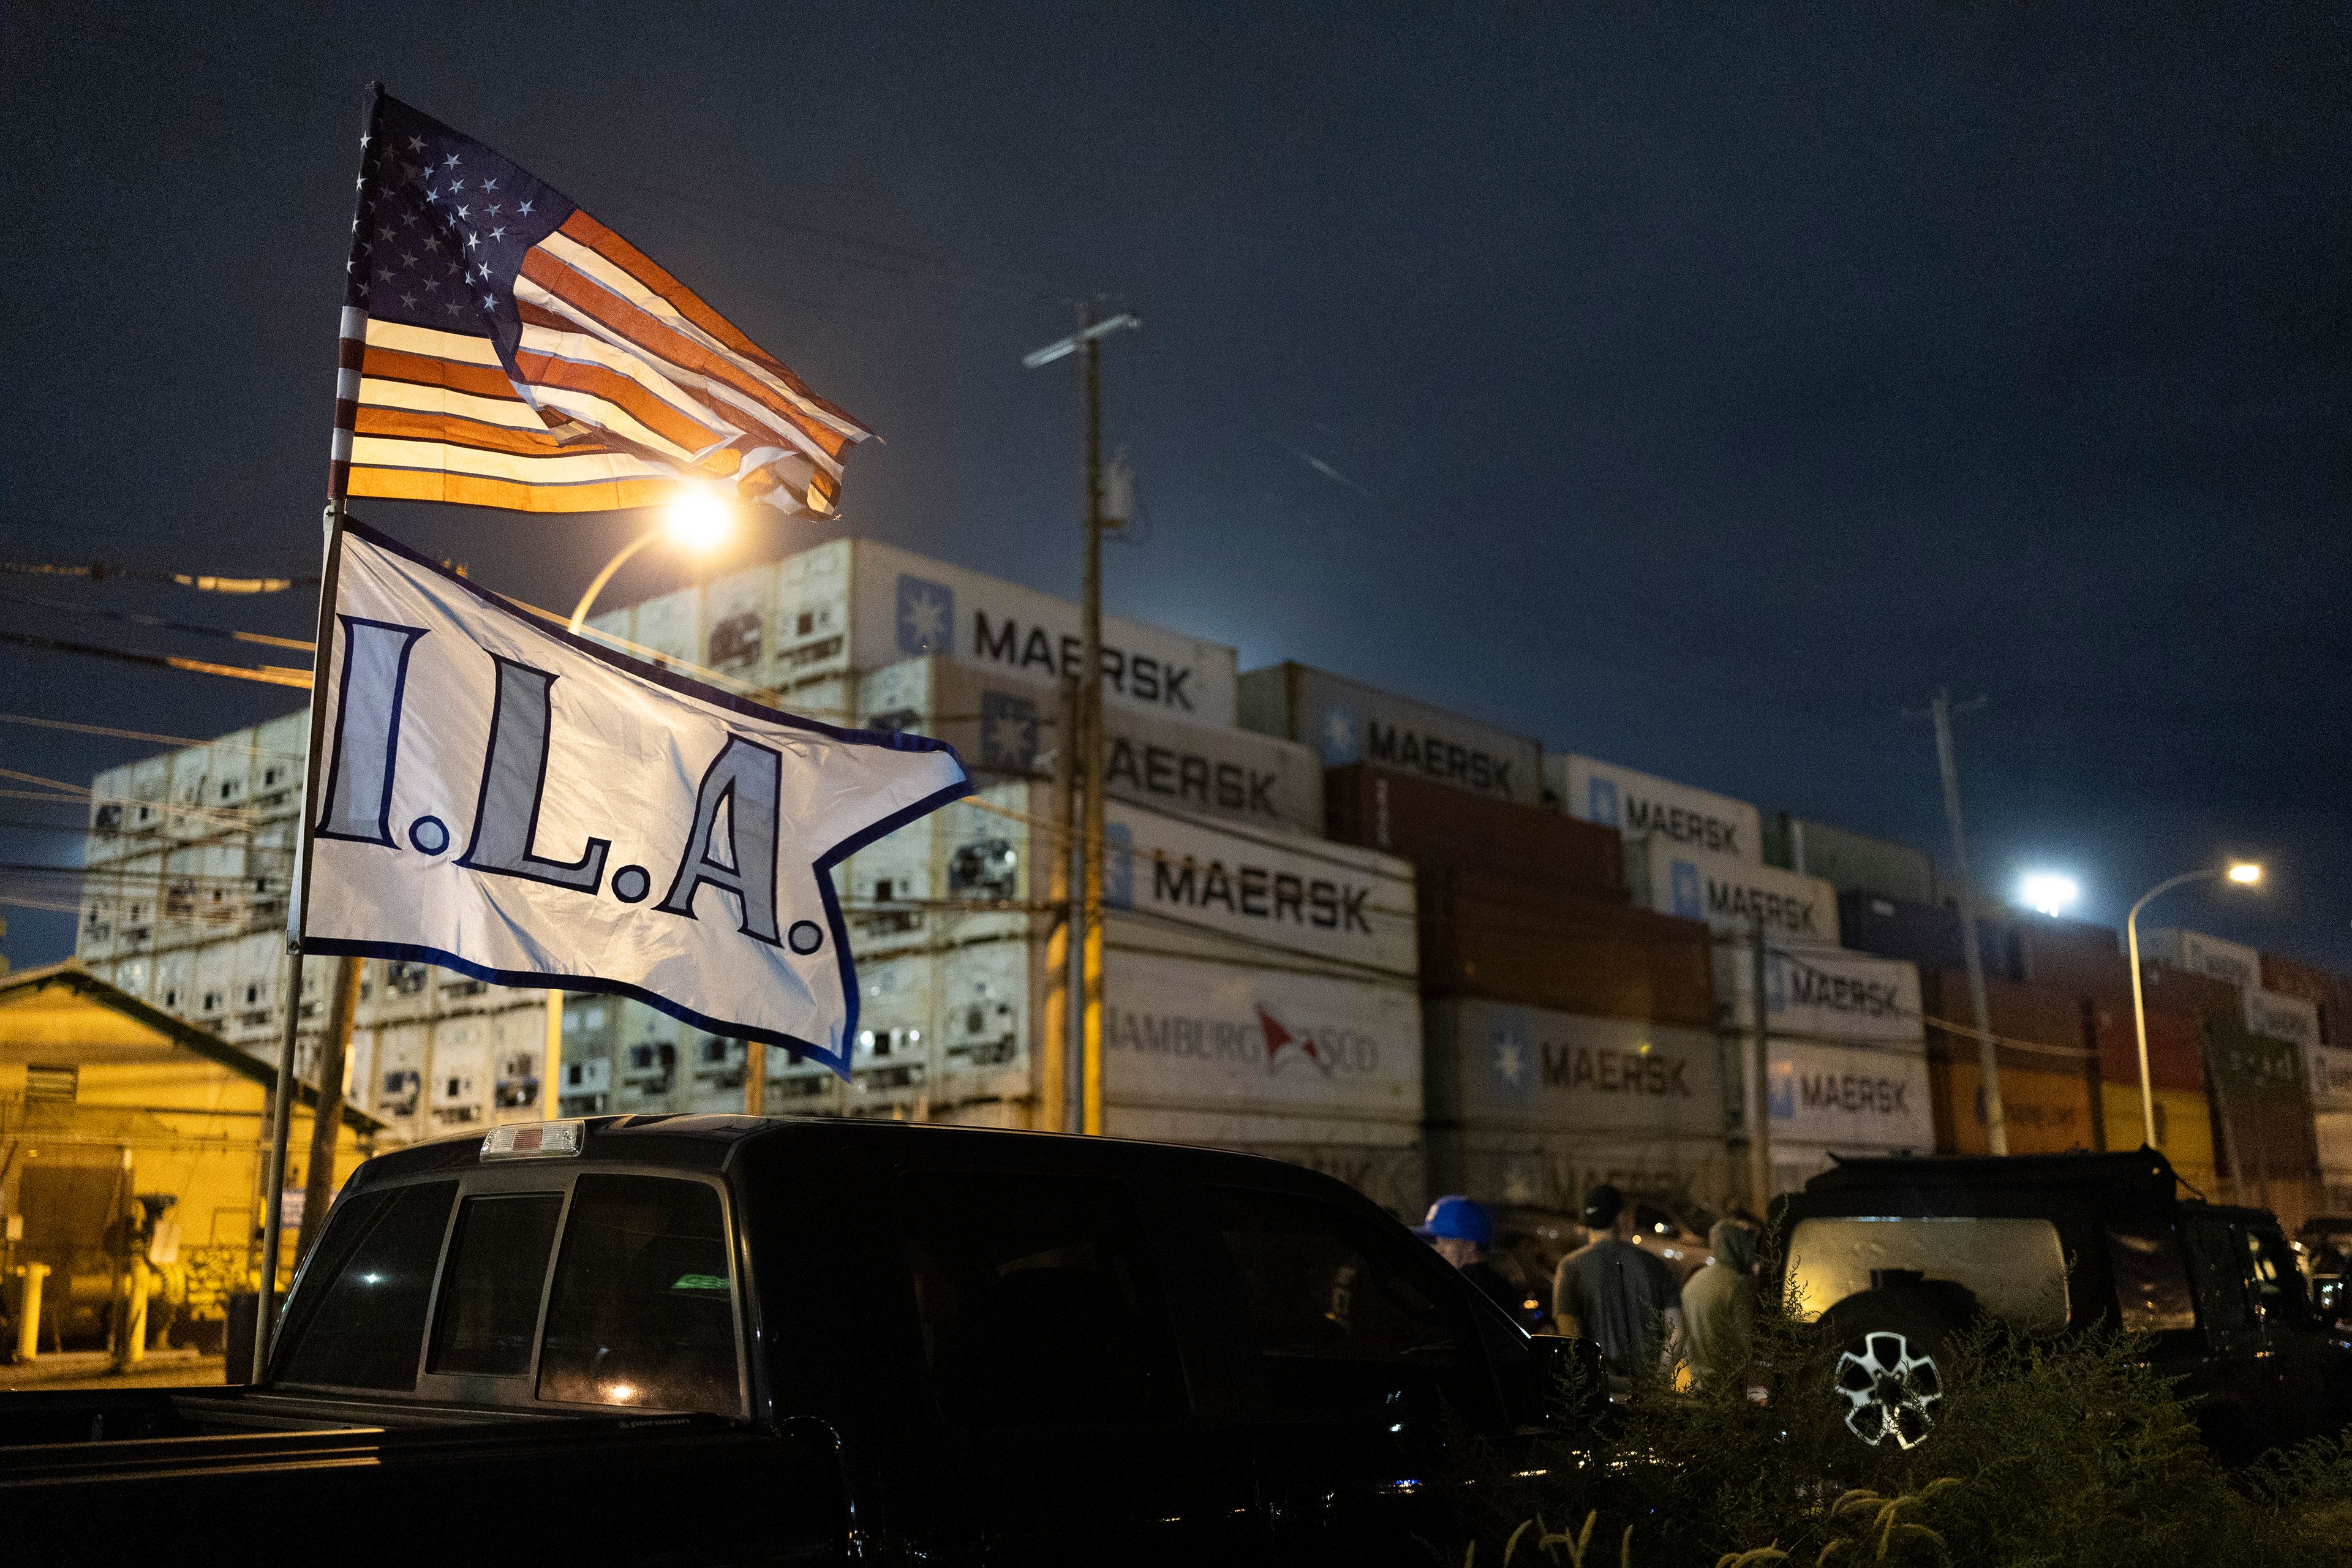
x=1513 y=1066
x=925 y=617
x=1343 y=739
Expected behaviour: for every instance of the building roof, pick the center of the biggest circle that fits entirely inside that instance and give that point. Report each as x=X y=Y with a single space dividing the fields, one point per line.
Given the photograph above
x=63 y=1006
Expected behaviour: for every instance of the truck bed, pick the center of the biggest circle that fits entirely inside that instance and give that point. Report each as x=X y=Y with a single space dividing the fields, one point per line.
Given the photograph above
x=387 y=1482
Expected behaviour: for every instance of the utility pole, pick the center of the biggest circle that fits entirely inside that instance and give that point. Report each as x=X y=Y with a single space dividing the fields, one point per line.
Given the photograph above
x=1091 y=756
x=1971 y=949
x=1088 y=1000
x=1759 y=1096
x=327 y=1115
x=1063 y=1043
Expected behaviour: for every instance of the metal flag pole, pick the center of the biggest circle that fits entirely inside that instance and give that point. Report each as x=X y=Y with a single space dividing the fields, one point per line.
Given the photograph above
x=350 y=347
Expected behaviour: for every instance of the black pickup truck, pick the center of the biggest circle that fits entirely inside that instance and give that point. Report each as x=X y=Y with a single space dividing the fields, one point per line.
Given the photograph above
x=715 y=1340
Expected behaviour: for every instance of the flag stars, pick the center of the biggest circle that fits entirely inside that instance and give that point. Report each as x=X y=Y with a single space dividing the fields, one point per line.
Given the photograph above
x=409 y=301
x=450 y=162
x=490 y=185
x=524 y=209
x=499 y=232
x=416 y=144
x=473 y=241
x=453 y=307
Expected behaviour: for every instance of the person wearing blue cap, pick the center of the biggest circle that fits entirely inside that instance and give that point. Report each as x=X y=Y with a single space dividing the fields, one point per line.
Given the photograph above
x=1462 y=1231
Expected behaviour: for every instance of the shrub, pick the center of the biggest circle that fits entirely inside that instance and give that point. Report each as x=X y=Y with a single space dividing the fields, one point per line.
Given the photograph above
x=2042 y=1452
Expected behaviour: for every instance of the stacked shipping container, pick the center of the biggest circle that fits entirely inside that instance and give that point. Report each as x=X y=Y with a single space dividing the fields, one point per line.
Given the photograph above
x=1588 y=970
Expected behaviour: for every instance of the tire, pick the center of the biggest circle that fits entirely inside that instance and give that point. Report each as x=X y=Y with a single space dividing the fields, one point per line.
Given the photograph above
x=1892 y=1345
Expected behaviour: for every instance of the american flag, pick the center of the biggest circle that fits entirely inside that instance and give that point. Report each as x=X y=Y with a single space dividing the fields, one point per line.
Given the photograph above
x=502 y=348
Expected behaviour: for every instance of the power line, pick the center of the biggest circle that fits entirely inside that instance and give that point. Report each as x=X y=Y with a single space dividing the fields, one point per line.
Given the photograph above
x=99 y=571
x=267 y=674
x=163 y=623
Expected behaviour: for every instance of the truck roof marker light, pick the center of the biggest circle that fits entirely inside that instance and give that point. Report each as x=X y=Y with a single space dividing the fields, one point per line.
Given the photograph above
x=535 y=1141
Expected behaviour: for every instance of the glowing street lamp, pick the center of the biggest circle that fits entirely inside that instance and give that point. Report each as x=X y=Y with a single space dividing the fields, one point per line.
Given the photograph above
x=699 y=520
x=2049 y=892
x=2239 y=873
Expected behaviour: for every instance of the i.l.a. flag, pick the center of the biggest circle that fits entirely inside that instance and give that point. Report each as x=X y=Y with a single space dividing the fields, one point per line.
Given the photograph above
x=502 y=348
x=501 y=797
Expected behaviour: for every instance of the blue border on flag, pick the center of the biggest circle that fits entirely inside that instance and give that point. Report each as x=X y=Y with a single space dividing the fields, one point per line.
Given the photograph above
x=891 y=739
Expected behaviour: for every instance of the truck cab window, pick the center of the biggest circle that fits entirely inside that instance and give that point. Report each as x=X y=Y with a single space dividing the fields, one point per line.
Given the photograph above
x=1037 y=1302
x=643 y=1311
x=2151 y=1280
x=489 y=1293
x=2273 y=1279
x=1336 y=1308
x=359 y=1321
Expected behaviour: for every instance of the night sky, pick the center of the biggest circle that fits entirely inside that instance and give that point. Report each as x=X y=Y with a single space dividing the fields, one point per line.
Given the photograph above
x=1697 y=390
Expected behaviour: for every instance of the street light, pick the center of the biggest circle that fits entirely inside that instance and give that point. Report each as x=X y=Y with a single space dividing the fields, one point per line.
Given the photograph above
x=698 y=520
x=2048 y=892
x=2243 y=874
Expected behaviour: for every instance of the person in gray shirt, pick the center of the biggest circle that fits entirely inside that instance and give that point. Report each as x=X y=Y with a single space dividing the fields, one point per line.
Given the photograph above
x=1611 y=1292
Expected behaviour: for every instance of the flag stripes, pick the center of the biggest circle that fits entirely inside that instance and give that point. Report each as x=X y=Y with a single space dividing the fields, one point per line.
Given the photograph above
x=502 y=348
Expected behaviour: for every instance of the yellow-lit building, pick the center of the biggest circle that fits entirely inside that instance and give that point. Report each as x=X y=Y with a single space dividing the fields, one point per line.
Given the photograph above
x=107 y=1107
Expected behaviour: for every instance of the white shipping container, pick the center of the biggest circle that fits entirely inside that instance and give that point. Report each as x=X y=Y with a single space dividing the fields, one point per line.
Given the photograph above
x=855 y=604
x=1181 y=1033
x=1285 y=899
x=1821 y=995
x=1730 y=894
x=2329 y=1074
x=1191 y=881
x=1348 y=723
x=1645 y=807
x=1851 y=1098
x=1005 y=724
x=2333 y=1132
x=1496 y=1065
x=905 y=605
x=2283 y=1017
x=395 y=1089
x=2195 y=951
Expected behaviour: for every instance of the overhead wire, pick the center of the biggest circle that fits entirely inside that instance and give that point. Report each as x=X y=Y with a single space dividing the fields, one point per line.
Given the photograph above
x=300 y=645
x=204 y=581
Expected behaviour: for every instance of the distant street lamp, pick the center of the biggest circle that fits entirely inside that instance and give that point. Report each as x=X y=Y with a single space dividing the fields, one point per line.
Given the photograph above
x=698 y=521
x=2243 y=873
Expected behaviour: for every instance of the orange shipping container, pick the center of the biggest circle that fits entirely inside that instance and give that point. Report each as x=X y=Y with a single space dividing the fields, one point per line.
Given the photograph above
x=2176 y=1048
x=2184 y=1128
x=2032 y=1014
x=1482 y=936
x=2047 y=1112
x=2324 y=989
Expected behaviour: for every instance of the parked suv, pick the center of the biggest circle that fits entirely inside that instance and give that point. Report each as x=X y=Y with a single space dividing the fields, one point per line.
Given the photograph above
x=1896 y=1255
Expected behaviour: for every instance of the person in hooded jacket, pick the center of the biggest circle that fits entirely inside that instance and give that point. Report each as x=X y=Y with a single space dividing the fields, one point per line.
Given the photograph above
x=1719 y=1305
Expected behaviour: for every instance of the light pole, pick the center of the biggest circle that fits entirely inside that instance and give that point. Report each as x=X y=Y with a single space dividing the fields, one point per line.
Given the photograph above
x=2245 y=874
x=698 y=521
x=1083 y=1011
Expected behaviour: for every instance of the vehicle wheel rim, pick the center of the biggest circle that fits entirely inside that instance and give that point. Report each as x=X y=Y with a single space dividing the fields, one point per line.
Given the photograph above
x=1889 y=1392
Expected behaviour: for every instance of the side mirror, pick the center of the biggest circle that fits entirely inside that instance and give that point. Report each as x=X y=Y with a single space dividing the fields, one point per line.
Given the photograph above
x=1571 y=1382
